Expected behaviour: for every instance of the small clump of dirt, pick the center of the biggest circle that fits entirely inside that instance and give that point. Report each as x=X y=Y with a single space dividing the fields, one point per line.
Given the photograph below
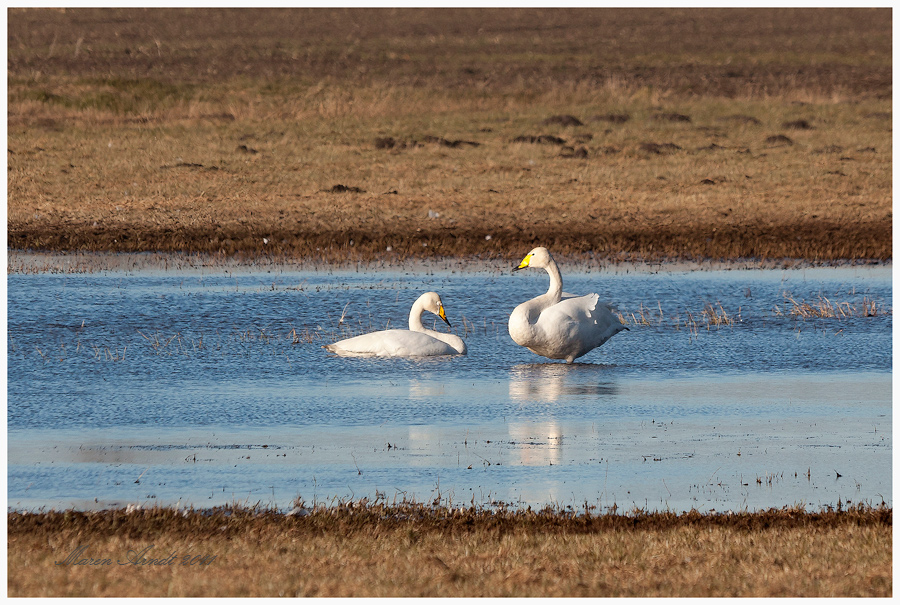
x=246 y=149
x=563 y=120
x=187 y=165
x=571 y=152
x=612 y=118
x=741 y=119
x=660 y=148
x=779 y=140
x=797 y=125
x=544 y=139
x=343 y=189
x=448 y=143
x=385 y=143
x=671 y=117
x=392 y=143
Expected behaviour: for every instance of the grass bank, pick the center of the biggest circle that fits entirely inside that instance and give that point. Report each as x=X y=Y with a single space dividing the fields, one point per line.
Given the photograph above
x=392 y=134
x=416 y=550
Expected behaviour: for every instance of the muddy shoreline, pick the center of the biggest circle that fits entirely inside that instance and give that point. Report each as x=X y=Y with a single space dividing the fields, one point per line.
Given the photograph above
x=23 y=262
x=816 y=243
x=361 y=514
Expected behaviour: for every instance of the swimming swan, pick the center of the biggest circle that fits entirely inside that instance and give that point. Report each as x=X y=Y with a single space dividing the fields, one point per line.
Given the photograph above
x=558 y=325
x=415 y=342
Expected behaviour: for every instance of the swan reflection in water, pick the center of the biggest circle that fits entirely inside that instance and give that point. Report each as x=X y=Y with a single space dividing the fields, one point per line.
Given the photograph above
x=552 y=381
x=541 y=442
x=535 y=442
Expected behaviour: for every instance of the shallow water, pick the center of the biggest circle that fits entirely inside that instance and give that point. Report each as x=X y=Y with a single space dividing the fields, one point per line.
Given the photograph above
x=209 y=386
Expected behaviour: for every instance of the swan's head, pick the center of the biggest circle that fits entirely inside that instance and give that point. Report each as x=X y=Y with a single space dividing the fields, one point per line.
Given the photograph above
x=539 y=257
x=431 y=301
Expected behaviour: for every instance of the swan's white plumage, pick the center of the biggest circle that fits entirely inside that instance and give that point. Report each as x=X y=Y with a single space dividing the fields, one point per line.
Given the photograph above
x=559 y=325
x=418 y=341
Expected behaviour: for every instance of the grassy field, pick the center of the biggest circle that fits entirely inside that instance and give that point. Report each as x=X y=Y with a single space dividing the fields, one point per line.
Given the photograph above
x=415 y=550
x=382 y=133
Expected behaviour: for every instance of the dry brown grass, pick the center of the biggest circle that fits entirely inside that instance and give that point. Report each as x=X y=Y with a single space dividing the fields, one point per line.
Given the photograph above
x=413 y=550
x=823 y=307
x=127 y=134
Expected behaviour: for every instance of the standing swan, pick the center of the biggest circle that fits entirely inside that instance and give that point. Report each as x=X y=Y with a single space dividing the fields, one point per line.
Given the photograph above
x=557 y=325
x=415 y=342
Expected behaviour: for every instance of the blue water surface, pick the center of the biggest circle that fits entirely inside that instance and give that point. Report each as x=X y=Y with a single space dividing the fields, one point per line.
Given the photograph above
x=182 y=376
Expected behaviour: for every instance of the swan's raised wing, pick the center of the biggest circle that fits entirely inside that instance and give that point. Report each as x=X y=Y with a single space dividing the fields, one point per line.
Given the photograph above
x=578 y=324
x=567 y=295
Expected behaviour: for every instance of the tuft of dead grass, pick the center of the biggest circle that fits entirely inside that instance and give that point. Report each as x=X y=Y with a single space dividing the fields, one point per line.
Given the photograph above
x=823 y=307
x=372 y=549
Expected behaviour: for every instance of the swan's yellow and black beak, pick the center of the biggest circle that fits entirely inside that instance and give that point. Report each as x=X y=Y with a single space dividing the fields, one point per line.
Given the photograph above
x=524 y=263
x=443 y=315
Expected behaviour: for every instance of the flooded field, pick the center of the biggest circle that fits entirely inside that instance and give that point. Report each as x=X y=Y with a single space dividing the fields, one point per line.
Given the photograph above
x=732 y=390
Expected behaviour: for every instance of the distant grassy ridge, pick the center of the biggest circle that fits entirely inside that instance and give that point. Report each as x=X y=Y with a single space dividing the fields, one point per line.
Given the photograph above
x=705 y=52
x=370 y=133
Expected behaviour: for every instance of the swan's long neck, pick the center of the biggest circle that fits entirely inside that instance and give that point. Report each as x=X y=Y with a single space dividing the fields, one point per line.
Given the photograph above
x=524 y=318
x=415 y=324
x=415 y=316
x=554 y=293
